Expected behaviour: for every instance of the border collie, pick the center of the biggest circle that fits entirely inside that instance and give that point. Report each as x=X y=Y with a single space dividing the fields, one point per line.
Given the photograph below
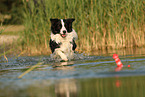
x=63 y=36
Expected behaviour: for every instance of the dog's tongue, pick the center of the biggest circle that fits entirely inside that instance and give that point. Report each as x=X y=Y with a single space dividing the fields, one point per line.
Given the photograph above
x=63 y=35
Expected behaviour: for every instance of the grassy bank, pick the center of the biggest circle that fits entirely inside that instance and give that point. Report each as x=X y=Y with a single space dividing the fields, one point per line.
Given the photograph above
x=101 y=24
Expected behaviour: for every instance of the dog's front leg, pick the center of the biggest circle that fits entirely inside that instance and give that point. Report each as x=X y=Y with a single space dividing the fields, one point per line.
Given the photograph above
x=61 y=54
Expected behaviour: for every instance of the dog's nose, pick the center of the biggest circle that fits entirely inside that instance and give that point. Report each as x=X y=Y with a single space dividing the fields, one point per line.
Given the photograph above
x=64 y=32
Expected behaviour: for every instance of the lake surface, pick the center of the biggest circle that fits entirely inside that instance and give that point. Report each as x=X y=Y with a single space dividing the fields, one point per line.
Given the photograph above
x=91 y=75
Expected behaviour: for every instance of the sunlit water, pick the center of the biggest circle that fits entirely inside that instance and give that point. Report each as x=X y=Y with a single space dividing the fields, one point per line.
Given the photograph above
x=85 y=76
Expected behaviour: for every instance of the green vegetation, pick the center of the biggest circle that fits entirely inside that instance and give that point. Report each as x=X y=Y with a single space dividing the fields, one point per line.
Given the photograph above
x=100 y=24
x=89 y=87
x=10 y=11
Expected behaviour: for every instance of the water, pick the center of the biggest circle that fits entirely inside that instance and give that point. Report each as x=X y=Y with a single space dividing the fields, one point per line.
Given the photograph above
x=86 y=76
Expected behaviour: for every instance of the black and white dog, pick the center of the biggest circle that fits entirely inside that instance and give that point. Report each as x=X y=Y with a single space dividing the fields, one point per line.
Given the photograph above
x=63 y=36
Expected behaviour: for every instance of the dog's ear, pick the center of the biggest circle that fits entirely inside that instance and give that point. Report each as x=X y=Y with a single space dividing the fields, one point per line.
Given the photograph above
x=54 y=20
x=70 y=20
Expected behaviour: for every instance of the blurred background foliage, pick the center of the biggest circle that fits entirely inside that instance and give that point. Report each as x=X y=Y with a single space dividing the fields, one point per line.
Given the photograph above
x=11 y=11
x=100 y=24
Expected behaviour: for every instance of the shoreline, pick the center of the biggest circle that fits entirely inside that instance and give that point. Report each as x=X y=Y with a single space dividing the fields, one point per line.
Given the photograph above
x=8 y=39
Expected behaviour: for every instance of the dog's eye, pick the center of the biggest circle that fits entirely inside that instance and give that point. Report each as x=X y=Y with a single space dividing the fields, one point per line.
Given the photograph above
x=68 y=27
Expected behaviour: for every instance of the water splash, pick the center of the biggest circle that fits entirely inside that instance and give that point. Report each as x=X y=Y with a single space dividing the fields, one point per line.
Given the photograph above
x=77 y=56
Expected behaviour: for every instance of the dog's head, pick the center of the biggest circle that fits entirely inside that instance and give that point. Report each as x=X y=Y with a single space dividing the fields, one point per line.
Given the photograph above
x=61 y=26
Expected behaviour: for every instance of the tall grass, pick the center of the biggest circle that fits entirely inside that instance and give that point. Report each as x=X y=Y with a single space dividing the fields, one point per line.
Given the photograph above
x=100 y=24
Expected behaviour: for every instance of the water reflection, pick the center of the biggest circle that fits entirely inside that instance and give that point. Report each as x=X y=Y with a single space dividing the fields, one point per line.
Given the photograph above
x=66 y=88
x=118 y=69
x=90 y=87
x=93 y=76
x=113 y=87
x=127 y=51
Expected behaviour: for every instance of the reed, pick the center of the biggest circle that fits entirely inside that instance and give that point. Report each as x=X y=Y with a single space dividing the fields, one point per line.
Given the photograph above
x=101 y=24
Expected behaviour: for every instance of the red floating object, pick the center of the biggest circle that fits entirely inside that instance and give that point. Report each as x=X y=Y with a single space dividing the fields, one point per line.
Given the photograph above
x=118 y=68
x=117 y=60
x=128 y=65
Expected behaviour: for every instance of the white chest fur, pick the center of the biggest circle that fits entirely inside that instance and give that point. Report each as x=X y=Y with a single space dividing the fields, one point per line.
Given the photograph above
x=65 y=43
x=65 y=51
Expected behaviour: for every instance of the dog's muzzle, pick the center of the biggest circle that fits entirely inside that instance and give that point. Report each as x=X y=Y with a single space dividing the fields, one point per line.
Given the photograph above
x=64 y=34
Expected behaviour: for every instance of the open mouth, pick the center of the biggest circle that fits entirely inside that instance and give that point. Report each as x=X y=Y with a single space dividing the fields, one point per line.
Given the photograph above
x=63 y=35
